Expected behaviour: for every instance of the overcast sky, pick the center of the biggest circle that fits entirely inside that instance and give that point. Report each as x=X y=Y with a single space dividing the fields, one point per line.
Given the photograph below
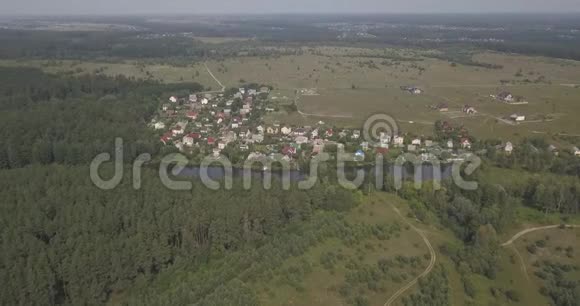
x=124 y=7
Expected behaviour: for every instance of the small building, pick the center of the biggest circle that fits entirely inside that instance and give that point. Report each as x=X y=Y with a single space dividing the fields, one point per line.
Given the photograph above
x=189 y=139
x=364 y=145
x=412 y=148
x=173 y=99
x=576 y=151
x=177 y=130
x=191 y=115
x=272 y=130
x=216 y=152
x=356 y=134
x=359 y=155
x=465 y=143
x=518 y=118
x=443 y=107
x=159 y=125
x=286 y=130
x=469 y=110
x=192 y=98
x=509 y=148
x=211 y=141
x=554 y=150
x=166 y=138
x=450 y=144
x=399 y=141
x=416 y=141
x=505 y=96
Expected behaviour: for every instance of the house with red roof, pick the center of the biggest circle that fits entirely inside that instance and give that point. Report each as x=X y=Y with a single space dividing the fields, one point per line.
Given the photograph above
x=289 y=150
x=192 y=115
x=210 y=141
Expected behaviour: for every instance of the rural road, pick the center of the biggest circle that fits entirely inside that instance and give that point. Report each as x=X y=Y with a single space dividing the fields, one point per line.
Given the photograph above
x=533 y=229
x=430 y=267
x=524 y=232
x=223 y=87
x=216 y=79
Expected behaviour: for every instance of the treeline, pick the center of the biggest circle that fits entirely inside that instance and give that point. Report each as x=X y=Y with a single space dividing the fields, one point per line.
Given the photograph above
x=66 y=242
x=533 y=155
x=69 y=120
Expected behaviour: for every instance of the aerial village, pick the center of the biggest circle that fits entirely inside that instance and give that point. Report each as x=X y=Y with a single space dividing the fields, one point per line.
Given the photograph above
x=232 y=123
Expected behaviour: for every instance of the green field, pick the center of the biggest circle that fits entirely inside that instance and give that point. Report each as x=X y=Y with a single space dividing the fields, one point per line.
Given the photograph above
x=351 y=83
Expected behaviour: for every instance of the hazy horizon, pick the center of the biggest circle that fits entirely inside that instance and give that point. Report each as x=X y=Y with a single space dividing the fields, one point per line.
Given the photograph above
x=230 y=7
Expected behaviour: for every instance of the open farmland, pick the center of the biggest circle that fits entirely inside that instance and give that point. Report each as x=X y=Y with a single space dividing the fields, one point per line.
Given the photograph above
x=351 y=83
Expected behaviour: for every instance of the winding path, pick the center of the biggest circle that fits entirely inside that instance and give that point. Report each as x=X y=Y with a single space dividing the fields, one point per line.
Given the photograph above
x=427 y=270
x=527 y=231
x=533 y=229
x=433 y=260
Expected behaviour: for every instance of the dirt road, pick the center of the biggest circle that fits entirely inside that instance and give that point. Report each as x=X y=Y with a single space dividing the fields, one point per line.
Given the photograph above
x=427 y=270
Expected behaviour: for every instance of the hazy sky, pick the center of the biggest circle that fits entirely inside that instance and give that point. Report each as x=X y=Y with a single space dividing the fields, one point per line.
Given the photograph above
x=123 y=7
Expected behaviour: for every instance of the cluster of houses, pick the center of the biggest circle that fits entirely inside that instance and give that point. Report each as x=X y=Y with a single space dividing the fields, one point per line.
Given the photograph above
x=223 y=124
x=508 y=97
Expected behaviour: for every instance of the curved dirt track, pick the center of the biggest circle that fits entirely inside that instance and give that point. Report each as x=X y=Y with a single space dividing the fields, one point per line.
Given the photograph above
x=427 y=270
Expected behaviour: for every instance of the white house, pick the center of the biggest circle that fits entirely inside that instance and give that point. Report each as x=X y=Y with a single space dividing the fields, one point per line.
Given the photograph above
x=204 y=101
x=416 y=142
x=216 y=152
x=450 y=144
x=159 y=125
x=173 y=99
x=399 y=141
x=178 y=130
x=518 y=118
x=356 y=134
x=509 y=147
x=286 y=130
x=576 y=151
x=385 y=138
x=301 y=140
